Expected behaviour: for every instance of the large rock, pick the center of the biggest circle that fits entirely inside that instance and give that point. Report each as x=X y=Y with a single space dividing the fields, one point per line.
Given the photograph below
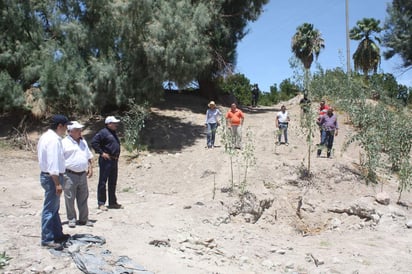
x=383 y=198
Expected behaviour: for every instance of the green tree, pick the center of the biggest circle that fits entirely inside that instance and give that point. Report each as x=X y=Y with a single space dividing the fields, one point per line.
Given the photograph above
x=398 y=31
x=288 y=90
x=367 y=55
x=95 y=55
x=270 y=98
x=227 y=28
x=238 y=85
x=307 y=43
x=385 y=84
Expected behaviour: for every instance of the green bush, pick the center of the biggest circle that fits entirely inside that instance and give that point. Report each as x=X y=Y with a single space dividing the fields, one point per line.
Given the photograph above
x=134 y=122
x=239 y=86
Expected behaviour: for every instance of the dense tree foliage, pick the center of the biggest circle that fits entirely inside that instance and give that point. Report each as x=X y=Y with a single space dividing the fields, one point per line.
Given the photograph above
x=228 y=27
x=398 y=31
x=307 y=43
x=94 y=55
x=367 y=56
x=239 y=86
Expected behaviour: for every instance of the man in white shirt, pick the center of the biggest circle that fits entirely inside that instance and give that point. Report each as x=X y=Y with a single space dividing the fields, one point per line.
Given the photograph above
x=78 y=159
x=282 y=122
x=52 y=166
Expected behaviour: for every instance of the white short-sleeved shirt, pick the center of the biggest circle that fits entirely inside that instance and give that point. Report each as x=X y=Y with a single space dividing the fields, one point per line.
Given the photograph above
x=76 y=155
x=50 y=153
x=282 y=117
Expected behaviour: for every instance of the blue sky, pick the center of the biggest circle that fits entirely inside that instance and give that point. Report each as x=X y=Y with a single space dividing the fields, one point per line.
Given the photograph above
x=263 y=55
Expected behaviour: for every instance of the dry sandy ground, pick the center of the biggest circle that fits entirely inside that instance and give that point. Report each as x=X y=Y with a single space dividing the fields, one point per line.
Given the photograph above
x=176 y=194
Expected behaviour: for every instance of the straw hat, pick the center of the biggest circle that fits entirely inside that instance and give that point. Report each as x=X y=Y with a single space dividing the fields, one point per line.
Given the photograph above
x=211 y=103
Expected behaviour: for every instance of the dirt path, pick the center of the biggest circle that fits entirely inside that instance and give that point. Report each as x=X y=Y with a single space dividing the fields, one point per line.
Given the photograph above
x=176 y=194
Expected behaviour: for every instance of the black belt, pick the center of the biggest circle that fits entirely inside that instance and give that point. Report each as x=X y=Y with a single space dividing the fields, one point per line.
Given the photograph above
x=74 y=172
x=46 y=173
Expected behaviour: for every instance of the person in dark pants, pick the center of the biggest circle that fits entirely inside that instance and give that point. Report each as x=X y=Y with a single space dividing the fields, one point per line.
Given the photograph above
x=52 y=166
x=107 y=145
x=329 y=126
x=255 y=95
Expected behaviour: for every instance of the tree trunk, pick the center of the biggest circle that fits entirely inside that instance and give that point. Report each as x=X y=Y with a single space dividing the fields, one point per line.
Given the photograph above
x=208 y=89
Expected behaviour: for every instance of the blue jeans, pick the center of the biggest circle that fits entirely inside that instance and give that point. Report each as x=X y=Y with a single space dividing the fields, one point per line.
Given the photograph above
x=211 y=134
x=283 y=127
x=107 y=173
x=51 y=225
x=327 y=137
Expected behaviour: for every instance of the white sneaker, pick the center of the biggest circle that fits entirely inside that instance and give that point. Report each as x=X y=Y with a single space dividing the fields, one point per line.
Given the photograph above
x=103 y=207
x=72 y=223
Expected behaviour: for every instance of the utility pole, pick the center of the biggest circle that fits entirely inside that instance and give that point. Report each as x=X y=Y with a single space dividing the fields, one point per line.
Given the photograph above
x=348 y=69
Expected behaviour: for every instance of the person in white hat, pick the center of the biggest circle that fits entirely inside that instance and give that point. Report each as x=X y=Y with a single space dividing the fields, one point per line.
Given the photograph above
x=212 y=122
x=78 y=161
x=107 y=145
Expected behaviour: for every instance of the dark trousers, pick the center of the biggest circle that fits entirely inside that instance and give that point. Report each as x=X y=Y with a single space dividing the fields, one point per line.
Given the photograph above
x=107 y=173
x=254 y=100
x=211 y=134
x=327 y=137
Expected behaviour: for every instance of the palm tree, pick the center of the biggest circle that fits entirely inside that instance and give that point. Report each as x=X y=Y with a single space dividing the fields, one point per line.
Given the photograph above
x=367 y=56
x=306 y=46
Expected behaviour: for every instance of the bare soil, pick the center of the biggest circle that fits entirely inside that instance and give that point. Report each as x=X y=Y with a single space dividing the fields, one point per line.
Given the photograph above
x=177 y=194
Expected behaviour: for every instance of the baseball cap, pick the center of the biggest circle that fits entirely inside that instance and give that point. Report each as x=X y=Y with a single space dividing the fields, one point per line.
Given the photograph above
x=111 y=119
x=74 y=124
x=60 y=119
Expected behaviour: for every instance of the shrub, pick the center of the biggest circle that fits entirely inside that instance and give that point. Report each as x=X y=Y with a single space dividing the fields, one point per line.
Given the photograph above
x=134 y=122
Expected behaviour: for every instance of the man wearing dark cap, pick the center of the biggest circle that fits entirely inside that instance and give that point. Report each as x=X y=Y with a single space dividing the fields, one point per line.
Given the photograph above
x=107 y=145
x=52 y=166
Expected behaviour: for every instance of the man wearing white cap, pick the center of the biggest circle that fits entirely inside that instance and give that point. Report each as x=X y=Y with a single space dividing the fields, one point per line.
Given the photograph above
x=78 y=159
x=107 y=145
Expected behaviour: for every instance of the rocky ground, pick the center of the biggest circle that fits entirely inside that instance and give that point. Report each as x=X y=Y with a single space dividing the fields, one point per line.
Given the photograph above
x=181 y=216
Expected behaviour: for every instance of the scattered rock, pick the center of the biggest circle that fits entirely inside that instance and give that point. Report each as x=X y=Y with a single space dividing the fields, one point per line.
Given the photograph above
x=361 y=210
x=159 y=243
x=244 y=259
x=250 y=207
x=281 y=251
x=409 y=224
x=396 y=212
x=335 y=223
x=383 y=198
x=49 y=269
x=267 y=264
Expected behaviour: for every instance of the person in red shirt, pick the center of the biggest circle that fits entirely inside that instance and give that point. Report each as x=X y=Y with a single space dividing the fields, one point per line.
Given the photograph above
x=234 y=120
x=323 y=109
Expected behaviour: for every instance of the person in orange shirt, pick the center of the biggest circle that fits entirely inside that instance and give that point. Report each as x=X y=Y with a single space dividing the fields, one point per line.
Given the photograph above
x=234 y=120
